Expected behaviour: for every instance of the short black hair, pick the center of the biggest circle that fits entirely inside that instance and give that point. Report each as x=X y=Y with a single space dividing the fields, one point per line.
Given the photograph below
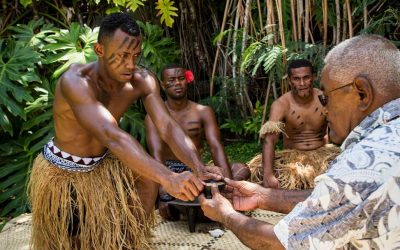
x=115 y=21
x=299 y=63
x=169 y=66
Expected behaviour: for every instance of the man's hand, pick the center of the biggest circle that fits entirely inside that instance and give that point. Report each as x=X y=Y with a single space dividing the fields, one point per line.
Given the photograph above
x=184 y=186
x=245 y=195
x=270 y=181
x=218 y=208
x=210 y=172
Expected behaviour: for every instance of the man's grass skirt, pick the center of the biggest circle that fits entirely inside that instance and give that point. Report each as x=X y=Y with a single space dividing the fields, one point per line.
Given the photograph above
x=296 y=169
x=100 y=209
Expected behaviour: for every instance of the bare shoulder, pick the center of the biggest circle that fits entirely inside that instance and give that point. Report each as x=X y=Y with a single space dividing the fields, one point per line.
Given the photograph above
x=202 y=109
x=145 y=81
x=75 y=81
x=282 y=103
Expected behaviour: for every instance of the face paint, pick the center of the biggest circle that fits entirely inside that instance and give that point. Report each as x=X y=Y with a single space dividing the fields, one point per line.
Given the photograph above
x=112 y=58
x=123 y=42
x=133 y=44
x=179 y=71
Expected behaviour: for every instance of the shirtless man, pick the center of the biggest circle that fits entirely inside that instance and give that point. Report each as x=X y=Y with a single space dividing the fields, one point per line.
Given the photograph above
x=197 y=120
x=297 y=114
x=94 y=186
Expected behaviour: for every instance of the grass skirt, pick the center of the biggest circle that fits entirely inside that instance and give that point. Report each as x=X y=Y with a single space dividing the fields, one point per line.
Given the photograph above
x=100 y=208
x=296 y=169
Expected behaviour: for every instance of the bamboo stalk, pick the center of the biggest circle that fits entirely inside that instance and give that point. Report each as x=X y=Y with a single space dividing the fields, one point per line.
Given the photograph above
x=344 y=24
x=270 y=20
x=218 y=48
x=365 y=12
x=299 y=18
x=337 y=21
x=348 y=7
x=236 y=87
x=260 y=16
x=306 y=20
x=244 y=96
x=294 y=28
x=325 y=20
x=278 y=4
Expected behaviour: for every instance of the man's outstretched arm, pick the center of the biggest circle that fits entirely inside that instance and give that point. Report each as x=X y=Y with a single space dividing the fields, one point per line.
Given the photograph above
x=95 y=118
x=213 y=137
x=251 y=232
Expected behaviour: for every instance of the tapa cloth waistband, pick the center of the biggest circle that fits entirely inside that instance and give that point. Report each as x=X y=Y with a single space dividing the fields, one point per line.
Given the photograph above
x=68 y=162
x=177 y=166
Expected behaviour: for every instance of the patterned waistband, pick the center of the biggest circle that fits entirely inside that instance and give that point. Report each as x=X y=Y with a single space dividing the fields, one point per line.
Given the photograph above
x=68 y=162
x=177 y=166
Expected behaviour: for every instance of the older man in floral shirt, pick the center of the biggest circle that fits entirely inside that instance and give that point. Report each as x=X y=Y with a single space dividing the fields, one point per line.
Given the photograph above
x=356 y=203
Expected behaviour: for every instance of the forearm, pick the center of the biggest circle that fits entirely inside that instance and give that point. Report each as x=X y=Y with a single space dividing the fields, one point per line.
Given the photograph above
x=281 y=200
x=253 y=233
x=268 y=155
x=221 y=161
x=132 y=155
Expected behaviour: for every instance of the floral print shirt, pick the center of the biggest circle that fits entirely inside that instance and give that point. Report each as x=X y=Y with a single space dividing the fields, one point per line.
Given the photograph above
x=356 y=203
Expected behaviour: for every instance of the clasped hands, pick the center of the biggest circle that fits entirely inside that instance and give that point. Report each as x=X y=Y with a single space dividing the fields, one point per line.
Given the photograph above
x=237 y=196
x=187 y=186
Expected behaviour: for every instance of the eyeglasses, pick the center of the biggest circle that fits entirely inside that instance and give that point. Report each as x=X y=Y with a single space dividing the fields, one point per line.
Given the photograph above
x=324 y=97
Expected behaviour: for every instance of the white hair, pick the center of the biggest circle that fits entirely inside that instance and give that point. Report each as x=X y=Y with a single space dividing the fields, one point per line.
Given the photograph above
x=372 y=56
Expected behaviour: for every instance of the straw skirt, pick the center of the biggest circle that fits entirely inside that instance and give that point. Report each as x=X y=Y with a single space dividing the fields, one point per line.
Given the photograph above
x=100 y=209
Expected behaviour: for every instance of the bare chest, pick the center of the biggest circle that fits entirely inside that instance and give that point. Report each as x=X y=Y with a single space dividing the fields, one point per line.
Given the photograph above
x=190 y=122
x=300 y=119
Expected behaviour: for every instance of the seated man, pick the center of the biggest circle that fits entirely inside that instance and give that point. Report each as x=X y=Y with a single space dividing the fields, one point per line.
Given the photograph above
x=355 y=204
x=197 y=120
x=300 y=117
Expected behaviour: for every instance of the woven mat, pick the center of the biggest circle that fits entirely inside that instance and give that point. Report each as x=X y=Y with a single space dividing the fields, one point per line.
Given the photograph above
x=167 y=235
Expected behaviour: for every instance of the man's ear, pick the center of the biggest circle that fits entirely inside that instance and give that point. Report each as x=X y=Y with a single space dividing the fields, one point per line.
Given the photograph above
x=98 y=49
x=365 y=92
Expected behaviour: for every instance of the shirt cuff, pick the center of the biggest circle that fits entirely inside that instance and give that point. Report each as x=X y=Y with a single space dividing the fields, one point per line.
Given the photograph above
x=281 y=231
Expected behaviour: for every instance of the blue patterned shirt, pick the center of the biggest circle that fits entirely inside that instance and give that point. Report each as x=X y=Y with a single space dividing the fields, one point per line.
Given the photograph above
x=356 y=203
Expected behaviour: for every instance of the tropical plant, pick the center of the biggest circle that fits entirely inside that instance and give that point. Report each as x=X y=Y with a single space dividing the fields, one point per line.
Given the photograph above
x=75 y=45
x=157 y=50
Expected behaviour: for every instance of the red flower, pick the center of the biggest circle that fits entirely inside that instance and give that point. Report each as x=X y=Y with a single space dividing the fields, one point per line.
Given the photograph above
x=189 y=76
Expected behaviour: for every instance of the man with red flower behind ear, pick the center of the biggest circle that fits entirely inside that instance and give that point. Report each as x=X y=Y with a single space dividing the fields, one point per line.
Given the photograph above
x=197 y=120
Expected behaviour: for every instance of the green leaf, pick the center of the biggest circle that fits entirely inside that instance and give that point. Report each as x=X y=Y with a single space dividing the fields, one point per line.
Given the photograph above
x=25 y=3
x=5 y=122
x=11 y=167
x=134 y=4
x=113 y=10
x=167 y=11
x=15 y=204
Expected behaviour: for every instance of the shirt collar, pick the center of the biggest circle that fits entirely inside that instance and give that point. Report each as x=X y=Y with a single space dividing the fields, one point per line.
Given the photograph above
x=382 y=115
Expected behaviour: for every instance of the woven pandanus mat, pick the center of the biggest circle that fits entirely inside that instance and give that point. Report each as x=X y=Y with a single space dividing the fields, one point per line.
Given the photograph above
x=166 y=235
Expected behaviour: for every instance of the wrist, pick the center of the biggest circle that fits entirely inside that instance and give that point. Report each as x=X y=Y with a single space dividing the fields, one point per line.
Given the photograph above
x=228 y=218
x=164 y=178
x=264 y=198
